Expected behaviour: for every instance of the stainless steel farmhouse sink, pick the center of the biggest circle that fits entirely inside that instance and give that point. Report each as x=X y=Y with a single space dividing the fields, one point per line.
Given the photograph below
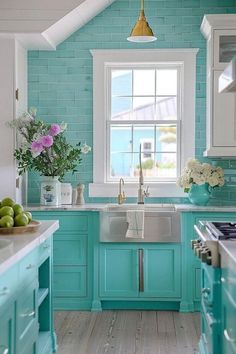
x=161 y=223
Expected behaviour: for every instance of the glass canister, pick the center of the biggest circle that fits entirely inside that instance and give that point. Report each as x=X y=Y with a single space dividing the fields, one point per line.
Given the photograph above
x=66 y=193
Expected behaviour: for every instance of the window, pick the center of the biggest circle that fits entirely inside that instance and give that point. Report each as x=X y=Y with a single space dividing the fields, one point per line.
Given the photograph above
x=143 y=112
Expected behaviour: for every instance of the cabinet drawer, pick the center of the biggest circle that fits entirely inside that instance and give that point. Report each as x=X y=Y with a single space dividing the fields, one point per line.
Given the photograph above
x=70 y=281
x=29 y=267
x=70 y=251
x=67 y=221
x=8 y=284
x=44 y=250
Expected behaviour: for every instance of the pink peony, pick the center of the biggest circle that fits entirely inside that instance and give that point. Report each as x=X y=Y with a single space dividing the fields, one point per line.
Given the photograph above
x=46 y=140
x=54 y=130
x=36 y=148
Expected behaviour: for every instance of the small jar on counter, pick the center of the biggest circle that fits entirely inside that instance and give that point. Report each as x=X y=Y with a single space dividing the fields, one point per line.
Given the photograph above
x=80 y=194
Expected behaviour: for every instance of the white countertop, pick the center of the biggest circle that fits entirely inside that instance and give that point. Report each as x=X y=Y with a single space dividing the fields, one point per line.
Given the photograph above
x=23 y=243
x=101 y=207
x=64 y=207
x=209 y=208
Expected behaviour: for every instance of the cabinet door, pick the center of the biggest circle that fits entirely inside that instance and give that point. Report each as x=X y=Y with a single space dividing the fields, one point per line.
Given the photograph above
x=228 y=325
x=224 y=116
x=7 y=332
x=161 y=271
x=27 y=317
x=224 y=47
x=70 y=281
x=118 y=271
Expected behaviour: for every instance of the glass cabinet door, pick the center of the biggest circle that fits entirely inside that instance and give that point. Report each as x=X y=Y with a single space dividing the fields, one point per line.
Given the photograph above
x=224 y=47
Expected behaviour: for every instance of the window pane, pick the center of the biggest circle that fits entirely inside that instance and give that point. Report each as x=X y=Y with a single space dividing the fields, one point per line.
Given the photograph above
x=166 y=108
x=166 y=165
x=121 y=108
x=121 y=139
x=166 y=82
x=144 y=135
x=121 y=82
x=144 y=82
x=144 y=108
x=166 y=138
x=121 y=165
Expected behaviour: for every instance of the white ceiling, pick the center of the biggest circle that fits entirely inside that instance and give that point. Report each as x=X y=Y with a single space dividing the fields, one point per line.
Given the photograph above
x=45 y=24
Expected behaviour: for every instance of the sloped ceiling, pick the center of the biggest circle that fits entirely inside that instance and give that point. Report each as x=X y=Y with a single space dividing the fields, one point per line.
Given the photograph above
x=45 y=24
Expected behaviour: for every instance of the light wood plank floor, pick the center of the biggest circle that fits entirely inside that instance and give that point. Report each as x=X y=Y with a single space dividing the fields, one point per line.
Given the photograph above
x=127 y=332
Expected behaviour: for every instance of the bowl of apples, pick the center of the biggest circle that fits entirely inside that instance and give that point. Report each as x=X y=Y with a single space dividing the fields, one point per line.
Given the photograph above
x=13 y=218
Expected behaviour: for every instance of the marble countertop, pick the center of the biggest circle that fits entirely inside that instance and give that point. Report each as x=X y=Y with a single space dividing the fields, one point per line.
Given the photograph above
x=23 y=243
x=101 y=207
x=209 y=208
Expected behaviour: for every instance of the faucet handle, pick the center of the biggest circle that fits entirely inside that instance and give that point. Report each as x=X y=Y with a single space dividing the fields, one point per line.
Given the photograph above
x=146 y=192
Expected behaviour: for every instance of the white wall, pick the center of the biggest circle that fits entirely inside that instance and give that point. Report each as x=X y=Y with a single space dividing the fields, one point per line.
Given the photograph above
x=13 y=73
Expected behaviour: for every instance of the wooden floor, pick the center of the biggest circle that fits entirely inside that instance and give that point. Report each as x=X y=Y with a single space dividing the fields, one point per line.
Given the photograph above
x=127 y=332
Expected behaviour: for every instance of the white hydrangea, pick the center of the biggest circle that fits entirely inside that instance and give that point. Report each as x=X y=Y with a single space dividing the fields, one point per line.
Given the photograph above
x=199 y=173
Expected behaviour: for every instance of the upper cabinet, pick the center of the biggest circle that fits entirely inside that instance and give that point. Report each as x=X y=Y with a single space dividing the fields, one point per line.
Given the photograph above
x=220 y=33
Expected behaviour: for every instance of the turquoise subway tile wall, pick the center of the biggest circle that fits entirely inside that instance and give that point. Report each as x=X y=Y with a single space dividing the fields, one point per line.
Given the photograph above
x=60 y=81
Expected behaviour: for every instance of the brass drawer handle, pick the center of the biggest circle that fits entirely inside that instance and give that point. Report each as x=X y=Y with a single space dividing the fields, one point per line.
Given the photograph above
x=4 y=291
x=5 y=349
x=228 y=338
x=30 y=266
x=29 y=314
x=46 y=246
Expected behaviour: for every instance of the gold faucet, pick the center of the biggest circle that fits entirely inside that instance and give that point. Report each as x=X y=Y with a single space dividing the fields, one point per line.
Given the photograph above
x=121 y=196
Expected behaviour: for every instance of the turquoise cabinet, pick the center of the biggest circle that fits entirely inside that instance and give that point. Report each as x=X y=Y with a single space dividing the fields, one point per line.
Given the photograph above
x=162 y=271
x=118 y=271
x=140 y=271
x=7 y=328
x=72 y=257
x=26 y=325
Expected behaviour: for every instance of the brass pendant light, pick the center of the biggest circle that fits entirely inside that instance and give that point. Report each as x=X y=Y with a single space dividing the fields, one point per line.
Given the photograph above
x=141 y=31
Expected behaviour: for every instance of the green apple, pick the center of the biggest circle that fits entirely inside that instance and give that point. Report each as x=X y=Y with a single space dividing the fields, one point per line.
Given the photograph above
x=21 y=220
x=6 y=221
x=6 y=210
x=18 y=209
x=8 y=202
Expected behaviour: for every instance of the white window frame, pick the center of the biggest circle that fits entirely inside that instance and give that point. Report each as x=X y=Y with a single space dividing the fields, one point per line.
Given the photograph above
x=105 y=58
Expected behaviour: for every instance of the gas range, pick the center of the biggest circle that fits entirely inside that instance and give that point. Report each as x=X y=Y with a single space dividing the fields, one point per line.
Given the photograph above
x=209 y=233
x=221 y=230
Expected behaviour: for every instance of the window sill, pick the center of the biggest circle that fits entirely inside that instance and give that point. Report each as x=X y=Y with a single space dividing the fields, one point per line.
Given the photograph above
x=161 y=190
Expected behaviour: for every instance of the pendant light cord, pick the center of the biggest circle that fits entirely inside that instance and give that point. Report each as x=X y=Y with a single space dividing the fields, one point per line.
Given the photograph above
x=142 y=4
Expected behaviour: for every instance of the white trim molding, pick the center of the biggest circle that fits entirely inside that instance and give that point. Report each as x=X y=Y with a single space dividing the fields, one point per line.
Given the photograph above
x=101 y=59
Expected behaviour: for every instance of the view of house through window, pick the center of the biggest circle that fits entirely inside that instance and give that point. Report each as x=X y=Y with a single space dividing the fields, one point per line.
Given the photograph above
x=144 y=106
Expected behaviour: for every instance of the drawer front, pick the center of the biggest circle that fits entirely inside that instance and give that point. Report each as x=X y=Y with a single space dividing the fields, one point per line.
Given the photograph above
x=228 y=322
x=26 y=316
x=69 y=222
x=70 y=281
x=45 y=250
x=70 y=251
x=29 y=267
x=8 y=284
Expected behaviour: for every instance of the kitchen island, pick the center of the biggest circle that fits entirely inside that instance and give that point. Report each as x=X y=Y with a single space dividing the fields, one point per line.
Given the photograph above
x=26 y=317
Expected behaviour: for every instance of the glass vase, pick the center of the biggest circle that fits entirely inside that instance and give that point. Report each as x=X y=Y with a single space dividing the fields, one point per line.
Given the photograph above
x=199 y=194
x=50 y=192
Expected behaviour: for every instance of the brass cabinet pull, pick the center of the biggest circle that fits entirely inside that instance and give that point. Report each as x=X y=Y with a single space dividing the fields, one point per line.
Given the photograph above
x=228 y=338
x=140 y=265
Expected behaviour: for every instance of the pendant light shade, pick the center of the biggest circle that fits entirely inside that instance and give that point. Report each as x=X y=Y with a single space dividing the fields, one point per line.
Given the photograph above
x=141 y=31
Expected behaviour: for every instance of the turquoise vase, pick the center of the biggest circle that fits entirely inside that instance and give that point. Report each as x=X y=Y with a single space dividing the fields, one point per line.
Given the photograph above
x=199 y=194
